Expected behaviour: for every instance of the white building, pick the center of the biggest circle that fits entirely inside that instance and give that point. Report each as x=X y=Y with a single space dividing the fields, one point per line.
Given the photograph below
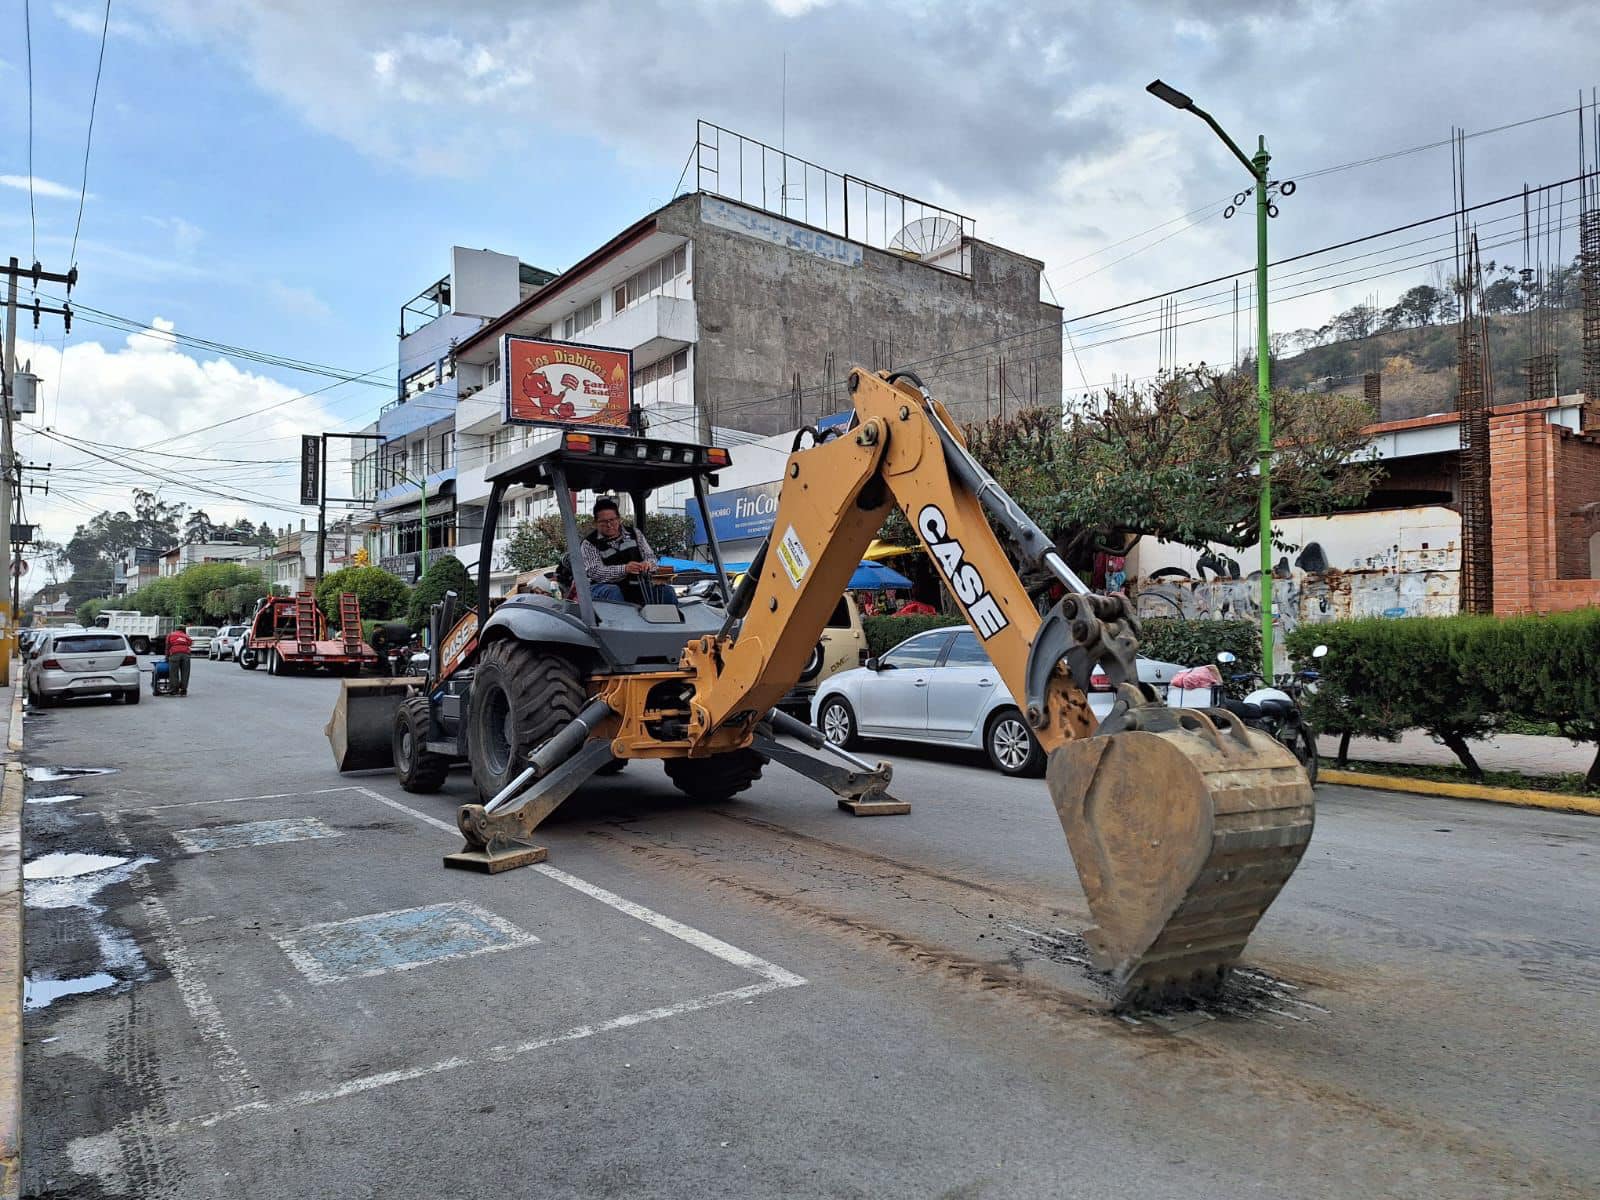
x=190 y=553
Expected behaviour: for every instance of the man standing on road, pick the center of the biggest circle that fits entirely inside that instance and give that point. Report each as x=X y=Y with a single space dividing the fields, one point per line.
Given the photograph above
x=618 y=560
x=179 y=646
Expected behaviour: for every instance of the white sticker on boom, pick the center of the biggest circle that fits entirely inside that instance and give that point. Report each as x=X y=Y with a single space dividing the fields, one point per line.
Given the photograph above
x=792 y=554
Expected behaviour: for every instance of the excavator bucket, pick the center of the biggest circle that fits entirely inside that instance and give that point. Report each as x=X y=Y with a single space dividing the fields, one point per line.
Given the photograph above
x=361 y=729
x=1184 y=826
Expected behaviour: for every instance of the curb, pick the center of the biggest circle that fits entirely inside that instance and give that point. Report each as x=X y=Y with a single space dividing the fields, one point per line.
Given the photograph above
x=11 y=965
x=1522 y=797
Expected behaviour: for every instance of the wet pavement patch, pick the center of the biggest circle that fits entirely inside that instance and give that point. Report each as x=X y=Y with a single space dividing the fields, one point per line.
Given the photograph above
x=40 y=993
x=69 y=865
x=398 y=941
x=252 y=833
x=57 y=774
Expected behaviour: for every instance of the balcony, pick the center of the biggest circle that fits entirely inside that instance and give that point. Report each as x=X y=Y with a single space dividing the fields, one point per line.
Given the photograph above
x=481 y=412
x=652 y=328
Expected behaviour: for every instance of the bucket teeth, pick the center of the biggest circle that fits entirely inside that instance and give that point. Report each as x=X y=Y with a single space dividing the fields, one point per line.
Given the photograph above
x=1183 y=835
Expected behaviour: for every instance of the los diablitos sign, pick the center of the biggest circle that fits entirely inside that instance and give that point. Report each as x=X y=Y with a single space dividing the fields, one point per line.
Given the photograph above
x=561 y=383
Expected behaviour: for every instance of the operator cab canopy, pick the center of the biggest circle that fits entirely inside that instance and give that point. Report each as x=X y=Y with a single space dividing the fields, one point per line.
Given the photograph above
x=608 y=462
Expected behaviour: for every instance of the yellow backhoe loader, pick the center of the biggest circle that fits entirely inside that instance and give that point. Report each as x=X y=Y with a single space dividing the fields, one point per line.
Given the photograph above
x=1184 y=824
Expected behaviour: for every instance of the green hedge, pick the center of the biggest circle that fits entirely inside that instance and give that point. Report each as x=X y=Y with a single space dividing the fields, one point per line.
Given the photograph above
x=1457 y=678
x=885 y=633
x=1193 y=643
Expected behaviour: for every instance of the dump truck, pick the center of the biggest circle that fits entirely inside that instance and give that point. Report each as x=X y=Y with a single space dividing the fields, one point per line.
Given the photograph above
x=289 y=634
x=143 y=632
x=1183 y=825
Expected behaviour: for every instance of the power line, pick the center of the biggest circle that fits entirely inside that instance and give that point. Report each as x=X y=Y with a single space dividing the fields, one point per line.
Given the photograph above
x=27 y=33
x=88 y=141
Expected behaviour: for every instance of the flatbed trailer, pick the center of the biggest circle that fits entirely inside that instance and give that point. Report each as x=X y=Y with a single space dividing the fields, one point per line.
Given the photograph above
x=289 y=635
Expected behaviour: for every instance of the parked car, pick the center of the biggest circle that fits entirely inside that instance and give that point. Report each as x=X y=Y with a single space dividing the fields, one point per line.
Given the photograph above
x=226 y=643
x=842 y=647
x=82 y=663
x=202 y=636
x=940 y=687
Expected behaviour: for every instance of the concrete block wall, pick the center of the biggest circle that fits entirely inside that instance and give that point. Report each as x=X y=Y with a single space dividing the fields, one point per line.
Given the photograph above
x=767 y=311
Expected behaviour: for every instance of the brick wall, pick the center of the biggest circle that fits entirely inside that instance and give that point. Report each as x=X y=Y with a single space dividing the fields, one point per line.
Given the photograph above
x=1541 y=476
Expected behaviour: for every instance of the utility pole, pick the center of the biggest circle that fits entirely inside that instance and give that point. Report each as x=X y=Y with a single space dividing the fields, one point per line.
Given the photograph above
x=8 y=472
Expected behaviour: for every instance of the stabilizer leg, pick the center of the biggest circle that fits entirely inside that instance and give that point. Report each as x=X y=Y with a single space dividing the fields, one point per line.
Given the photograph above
x=862 y=791
x=496 y=841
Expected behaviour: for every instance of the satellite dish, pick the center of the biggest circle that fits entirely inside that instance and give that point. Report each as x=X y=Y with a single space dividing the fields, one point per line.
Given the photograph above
x=926 y=237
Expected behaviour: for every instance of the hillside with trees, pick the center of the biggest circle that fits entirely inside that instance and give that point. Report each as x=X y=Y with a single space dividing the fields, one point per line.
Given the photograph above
x=1412 y=343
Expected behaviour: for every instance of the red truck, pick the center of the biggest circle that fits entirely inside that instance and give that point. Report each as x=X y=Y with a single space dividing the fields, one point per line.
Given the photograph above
x=290 y=635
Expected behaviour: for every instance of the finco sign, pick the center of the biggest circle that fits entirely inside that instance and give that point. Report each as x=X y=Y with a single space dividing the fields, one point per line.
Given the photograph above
x=562 y=383
x=737 y=515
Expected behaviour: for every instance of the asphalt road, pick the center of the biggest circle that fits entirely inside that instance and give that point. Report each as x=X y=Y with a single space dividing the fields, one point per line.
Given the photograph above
x=280 y=992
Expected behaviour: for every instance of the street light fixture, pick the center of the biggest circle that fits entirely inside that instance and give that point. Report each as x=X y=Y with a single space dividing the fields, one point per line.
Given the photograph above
x=1257 y=166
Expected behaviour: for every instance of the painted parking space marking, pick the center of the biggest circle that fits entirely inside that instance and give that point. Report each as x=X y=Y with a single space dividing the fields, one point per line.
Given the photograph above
x=233 y=1077
x=252 y=833
x=400 y=940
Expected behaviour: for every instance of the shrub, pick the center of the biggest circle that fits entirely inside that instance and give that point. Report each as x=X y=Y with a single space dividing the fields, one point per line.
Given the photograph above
x=885 y=633
x=383 y=596
x=446 y=573
x=1191 y=643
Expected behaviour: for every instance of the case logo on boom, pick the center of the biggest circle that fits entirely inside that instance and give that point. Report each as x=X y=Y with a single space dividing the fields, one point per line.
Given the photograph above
x=965 y=579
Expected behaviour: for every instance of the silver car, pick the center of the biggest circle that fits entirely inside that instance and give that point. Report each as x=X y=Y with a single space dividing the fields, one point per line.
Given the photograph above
x=201 y=636
x=940 y=687
x=226 y=643
x=82 y=663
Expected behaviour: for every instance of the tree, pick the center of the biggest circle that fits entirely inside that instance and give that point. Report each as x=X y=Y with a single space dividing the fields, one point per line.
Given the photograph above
x=263 y=536
x=1176 y=461
x=109 y=539
x=445 y=573
x=670 y=534
x=1504 y=295
x=198 y=528
x=205 y=587
x=1356 y=322
x=383 y=596
x=536 y=544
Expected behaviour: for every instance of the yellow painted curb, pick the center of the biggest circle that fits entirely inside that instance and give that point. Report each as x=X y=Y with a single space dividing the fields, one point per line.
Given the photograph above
x=1559 y=801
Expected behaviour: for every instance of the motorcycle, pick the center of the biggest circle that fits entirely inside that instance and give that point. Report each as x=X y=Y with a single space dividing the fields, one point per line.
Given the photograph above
x=1276 y=710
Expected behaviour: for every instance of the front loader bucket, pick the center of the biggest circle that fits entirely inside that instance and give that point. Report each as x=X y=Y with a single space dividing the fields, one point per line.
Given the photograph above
x=361 y=729
x=1184 y=827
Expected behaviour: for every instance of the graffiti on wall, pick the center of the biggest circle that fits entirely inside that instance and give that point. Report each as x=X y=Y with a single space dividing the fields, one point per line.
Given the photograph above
x=1391 y=582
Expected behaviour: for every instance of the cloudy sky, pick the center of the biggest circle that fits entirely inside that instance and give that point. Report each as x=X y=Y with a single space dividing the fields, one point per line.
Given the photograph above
x=283 y=176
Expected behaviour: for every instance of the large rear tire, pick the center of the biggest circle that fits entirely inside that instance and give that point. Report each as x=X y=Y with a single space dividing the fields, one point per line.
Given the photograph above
x=131 y=696
x=418 y=769
x=719 y=777
x=522 y=696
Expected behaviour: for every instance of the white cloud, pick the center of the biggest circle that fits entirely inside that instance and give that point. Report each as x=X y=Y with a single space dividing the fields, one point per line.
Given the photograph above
x=147 y=390
x=185 y=234
x=91 y=20
x=298 y=301
x=41 y=187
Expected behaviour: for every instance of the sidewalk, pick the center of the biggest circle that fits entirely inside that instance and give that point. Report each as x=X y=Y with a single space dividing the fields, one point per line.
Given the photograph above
x=1518 y=752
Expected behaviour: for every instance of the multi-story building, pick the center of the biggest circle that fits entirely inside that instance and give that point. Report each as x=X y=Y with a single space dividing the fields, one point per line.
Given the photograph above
x=744 y=304
x=416 y=459
x=187 y=555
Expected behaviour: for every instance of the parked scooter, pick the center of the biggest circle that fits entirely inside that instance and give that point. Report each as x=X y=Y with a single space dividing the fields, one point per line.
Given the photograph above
x=1276 y=710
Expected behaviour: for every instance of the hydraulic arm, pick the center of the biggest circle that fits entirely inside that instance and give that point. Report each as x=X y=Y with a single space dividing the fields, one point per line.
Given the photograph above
x=1183 y=825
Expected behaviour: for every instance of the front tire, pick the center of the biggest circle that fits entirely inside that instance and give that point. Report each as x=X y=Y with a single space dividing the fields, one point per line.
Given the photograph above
x=521 y=697
x=1011 y=746
x=418 y=769
x=837 y=722
x=247 y=660
x=720 y=777
x=1304 y=748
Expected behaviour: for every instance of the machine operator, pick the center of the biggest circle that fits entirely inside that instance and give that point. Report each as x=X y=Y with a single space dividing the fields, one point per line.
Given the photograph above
x=618 y=560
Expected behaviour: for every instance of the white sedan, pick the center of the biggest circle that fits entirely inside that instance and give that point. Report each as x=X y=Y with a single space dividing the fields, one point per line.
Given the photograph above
x=84 y=662
x=940 y=687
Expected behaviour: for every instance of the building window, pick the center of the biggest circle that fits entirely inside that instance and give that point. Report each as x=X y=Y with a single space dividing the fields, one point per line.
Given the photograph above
x=665 y=381
x=445 y=451
x=491 y=371
x=586 y=316
x=668 y=276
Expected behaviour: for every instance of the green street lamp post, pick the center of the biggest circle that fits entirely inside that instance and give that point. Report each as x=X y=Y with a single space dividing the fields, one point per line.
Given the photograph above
x=1257 y=167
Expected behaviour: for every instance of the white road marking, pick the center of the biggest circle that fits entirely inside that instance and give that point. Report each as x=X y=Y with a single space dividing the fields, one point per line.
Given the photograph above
x=242 y=799
x=232 y=1076
x=249 y=834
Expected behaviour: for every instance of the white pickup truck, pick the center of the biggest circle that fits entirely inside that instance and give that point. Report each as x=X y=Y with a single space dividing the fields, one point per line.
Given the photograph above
x=140 y=630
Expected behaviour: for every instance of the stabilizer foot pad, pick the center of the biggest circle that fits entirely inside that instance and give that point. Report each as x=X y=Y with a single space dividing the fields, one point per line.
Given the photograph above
x=492 y=862
x=875 y=808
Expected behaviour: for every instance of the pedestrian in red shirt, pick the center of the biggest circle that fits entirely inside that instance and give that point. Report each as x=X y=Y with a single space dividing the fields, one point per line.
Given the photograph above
x=179 y=645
